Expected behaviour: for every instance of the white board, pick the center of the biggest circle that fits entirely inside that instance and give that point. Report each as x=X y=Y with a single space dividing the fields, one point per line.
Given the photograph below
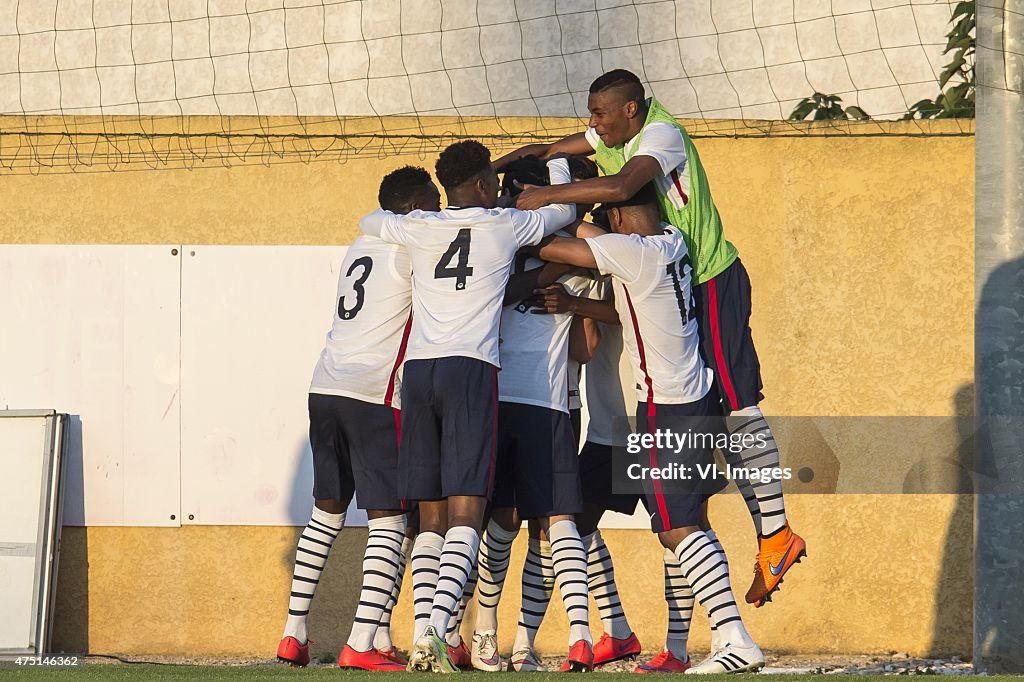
x=31 y=461
x=93 y=331
x=254 y=319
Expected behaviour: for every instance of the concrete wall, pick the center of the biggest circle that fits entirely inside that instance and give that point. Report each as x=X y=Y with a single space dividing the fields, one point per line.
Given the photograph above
x=859 y=248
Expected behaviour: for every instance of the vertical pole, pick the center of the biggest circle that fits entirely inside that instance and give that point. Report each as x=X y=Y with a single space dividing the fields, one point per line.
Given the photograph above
x=999 y=337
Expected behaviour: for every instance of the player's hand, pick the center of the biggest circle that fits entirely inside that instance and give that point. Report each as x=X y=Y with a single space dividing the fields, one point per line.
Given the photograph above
x=532 y=199
x=552 y=299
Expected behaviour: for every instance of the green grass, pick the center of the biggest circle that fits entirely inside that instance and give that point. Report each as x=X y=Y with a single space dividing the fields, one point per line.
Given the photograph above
x=215 y=673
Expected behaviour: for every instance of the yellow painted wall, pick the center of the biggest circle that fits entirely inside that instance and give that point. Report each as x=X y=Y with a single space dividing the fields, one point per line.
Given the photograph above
x=860 y=249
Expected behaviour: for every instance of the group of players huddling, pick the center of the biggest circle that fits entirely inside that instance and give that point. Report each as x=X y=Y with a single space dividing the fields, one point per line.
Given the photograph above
x=447 y=455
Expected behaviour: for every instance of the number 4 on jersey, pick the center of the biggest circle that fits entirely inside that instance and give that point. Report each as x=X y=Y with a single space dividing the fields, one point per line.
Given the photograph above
x=459 y=246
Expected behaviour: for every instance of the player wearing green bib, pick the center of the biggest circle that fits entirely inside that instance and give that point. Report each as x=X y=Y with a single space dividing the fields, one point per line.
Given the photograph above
x=635 y=140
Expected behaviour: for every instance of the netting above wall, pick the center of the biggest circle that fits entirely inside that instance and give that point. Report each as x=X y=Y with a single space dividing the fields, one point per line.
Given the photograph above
x=409 y=67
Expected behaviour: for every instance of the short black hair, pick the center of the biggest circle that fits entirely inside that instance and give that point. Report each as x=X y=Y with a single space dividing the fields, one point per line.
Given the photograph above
x=644 y=197
x=460 y=162
x=400 y=188
x=582 y=168
x=633 y=89
x=528 y=170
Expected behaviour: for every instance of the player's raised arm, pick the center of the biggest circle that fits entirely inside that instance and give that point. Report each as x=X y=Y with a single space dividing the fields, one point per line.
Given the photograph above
x=532 y=226
x=570 y=251
x=384 y=225
x=637 y=172
x=573 y=145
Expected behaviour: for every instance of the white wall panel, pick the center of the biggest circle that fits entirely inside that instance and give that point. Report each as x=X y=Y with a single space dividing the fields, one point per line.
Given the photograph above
x=254 y=320
x=93 y=331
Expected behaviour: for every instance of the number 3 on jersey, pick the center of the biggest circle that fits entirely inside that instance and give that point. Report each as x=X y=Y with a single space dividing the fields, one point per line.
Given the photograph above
x=462 y=270
x=357 y=287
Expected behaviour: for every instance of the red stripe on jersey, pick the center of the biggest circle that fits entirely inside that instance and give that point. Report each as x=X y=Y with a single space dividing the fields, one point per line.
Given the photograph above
x=389 y=394
x=659 y=496
x=640 y=347
x=679 y=186
x=716 y=340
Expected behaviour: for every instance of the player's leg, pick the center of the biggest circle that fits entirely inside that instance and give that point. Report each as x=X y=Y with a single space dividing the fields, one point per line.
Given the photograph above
x=419 y=478
x=382 y=562
x=496 y=543
x=547 y=488
x=492 y=567
x=618 y=640
x=673 y=658
x=372 y=434
x=465 y=391
x=723 y=308
x=538 y=583
x=425 y=561
x=382 y=640
x=333 y=487
x=457 y=647
x=676 y=517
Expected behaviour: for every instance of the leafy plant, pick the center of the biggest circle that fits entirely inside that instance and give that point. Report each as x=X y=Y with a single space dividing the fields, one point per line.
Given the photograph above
x=826 y=108
x=957 y=101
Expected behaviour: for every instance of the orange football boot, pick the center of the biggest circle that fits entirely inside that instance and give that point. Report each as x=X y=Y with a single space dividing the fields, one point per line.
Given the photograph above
x=609 y=649
x=581 y=658
x=290 y=651
x=394 y=655
x=460 y=655
x=664 y=662
x=776 y=554
x=368 y=660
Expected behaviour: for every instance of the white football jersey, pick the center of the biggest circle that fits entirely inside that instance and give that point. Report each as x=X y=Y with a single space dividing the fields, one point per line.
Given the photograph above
x=652 y=277
x=461 y=259
x=534 y=350
x=366 y=343
x=608 y=377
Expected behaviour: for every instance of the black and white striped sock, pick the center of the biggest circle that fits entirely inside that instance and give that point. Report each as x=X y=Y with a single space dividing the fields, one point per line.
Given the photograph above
x=763 y=453
x=382 y=561
x=679 y=598
x=310 y=556
x=538 y=584
x=708 y=575
x=569 y=560
x=454 y=635
x=715 y=636
x=382 y=640
x=457 y=558
x=426 y=564
x=492 y=565
x=601 y=583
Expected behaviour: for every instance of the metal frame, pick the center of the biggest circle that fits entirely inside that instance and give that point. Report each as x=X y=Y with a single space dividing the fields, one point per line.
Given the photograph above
x=47 y=551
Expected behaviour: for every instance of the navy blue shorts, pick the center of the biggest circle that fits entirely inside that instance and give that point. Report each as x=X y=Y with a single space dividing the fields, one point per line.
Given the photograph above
x=538 y=470
x=676 y=503
x=449 y=428
x=576 y=419
x=596 y=480
x=355 y=449
x=727 y=346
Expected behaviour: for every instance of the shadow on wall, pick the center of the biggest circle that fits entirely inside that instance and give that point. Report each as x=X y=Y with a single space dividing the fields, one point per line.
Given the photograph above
x=999 y=363
x=337 y=595
x=954 y=596
x=70 y=633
